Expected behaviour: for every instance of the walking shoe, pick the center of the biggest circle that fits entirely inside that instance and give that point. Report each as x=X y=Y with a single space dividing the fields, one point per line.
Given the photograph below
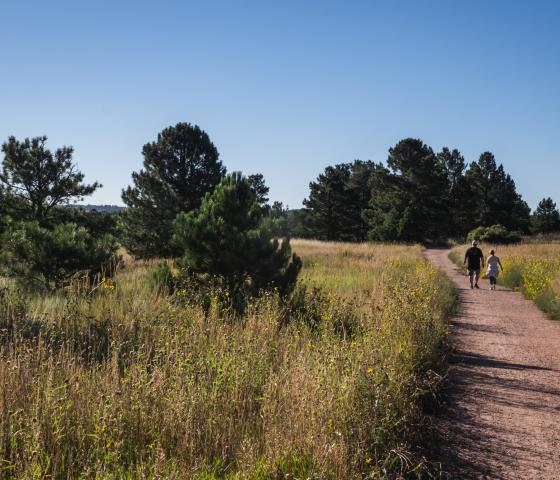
x=476 y=285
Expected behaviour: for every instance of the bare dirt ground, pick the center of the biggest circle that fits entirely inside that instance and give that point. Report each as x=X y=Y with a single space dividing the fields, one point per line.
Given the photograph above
x=501 y=413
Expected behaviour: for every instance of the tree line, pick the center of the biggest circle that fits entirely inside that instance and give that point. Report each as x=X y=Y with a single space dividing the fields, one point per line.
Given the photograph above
x=419 y=195
x=184 y=205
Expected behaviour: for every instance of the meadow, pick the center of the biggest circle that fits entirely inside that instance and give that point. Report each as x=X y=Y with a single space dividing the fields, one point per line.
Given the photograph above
x=531 y=267
x=122 y=380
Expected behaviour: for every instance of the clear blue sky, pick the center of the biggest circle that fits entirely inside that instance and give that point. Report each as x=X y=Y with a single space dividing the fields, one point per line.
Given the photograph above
x=286 y=88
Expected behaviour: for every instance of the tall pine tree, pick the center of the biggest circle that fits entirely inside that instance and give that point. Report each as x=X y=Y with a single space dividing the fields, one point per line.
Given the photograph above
x=546 y=218
x=327 y=203
x=495 y=196
x=179 y=169
x=459 y=200
x=359 y=195
x=34 y=181
x=408 y=199
x=337 y=200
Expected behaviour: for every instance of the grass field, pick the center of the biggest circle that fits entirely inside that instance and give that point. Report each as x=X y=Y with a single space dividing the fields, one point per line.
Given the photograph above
x=532 y=268
x=124 y=382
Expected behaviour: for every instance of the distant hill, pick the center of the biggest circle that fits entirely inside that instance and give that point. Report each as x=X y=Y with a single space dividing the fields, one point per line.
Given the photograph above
x=99 y=208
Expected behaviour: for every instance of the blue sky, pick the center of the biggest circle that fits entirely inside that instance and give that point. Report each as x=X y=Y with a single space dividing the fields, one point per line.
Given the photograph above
x=286 y=88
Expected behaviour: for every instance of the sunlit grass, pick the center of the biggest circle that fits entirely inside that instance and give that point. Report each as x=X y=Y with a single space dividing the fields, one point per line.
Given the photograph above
x=124 y=382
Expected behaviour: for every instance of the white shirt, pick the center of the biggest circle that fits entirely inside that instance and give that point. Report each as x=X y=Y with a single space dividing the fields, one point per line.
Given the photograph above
x=493 y=262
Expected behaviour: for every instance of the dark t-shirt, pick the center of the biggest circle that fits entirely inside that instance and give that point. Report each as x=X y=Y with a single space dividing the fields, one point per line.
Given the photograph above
x=474 y=257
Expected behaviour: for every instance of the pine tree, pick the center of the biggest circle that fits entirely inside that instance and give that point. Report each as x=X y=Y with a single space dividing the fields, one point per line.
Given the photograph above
x=359 y=195
x=226 y=239
x=459 y=200
x=495 y=195
x=260 y=188
x=327 y=203
x=546 y=218
x=408 y=198
x=34 y=181
x=43 y=243
x=179 y=169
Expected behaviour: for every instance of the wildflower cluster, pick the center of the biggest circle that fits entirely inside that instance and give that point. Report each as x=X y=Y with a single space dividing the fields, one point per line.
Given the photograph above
x=107 y=284
x=537 y=278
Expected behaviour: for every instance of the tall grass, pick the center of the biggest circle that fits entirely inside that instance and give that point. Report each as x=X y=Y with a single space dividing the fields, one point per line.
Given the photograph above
x=126 y=382
x=532 y=268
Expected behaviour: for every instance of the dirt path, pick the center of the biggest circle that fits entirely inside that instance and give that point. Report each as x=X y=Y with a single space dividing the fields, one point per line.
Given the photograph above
x=501 y=418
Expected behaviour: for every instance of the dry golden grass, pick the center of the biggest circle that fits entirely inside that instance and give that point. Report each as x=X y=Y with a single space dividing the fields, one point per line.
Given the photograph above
x=127 y=383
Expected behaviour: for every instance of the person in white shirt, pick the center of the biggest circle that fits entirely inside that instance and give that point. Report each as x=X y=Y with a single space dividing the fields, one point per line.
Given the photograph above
x=493 y=263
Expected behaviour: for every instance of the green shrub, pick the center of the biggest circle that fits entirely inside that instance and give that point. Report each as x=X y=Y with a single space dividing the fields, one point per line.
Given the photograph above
x=50 y=258
x=162 y=280
x=227 y=240
x=494 y=234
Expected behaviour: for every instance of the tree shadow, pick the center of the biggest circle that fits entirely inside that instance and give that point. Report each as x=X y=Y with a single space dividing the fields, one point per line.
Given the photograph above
x=467 y=440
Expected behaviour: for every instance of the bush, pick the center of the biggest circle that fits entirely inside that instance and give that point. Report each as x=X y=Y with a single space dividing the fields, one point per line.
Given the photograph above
x=161 y=279
x=494 y=234
x=228 y=241
x=50 y=258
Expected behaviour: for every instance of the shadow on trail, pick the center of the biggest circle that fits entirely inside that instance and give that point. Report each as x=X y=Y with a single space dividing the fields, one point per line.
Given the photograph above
x=475 y=327
x=464 y=358
x=460 y=453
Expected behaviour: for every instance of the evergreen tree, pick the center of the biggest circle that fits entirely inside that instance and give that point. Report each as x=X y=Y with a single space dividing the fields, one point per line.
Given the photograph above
x=359 y=195
x=459 y=200
x=408 y=199
x=495 y=196
x=49 y=258
x=226 y=240
x=179 y=169
x=546 y=218
x=260 y=189
x=43 y=240
x=299 y=224
x=386 y=205
x=327 y=203
x=34 y=181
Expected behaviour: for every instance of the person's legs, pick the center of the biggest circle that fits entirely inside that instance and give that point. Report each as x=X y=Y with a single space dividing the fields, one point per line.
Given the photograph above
x=476 y=277
x=492 y=282
x=471 y=274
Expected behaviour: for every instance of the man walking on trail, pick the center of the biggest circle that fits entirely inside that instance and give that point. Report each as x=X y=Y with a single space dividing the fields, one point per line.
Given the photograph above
x=475 y=261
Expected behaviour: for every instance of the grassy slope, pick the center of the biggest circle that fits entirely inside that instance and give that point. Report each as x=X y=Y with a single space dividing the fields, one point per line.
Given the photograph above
x=125 y=383
x=532 y=268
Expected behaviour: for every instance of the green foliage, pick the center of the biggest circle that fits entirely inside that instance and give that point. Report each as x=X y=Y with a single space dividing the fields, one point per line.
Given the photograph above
x=179 y=169
x=496 y=197
x=546 y=218
x=460 y=202
x=97 y=223
x=260 y=189
x=299 y=224
x=512 y=277
x=337 y=200
x=162 y=279
x=44 y=242
x=34 y=181
x=417 y=196
x=408 y=198
x=51 y=257
x=226 y=240
x=497 y=234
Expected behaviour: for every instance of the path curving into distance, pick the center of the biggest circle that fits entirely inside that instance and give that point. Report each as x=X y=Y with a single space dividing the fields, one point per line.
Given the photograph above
x=501 y=412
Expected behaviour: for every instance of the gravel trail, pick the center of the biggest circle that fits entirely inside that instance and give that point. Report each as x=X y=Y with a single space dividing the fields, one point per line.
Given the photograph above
x=501 y=413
